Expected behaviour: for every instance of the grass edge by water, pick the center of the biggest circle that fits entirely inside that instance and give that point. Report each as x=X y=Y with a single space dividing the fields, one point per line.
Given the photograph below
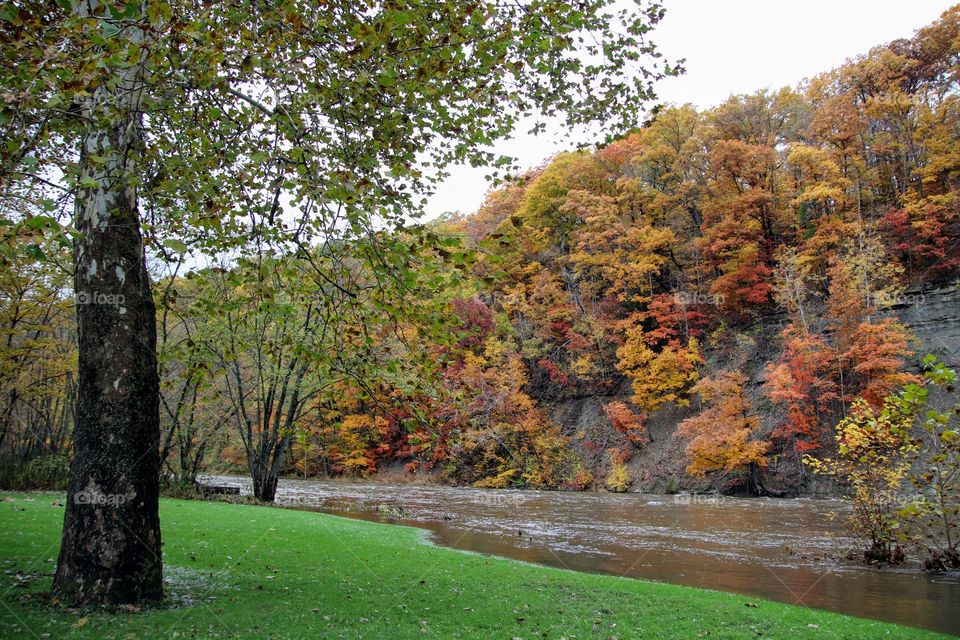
x=306 y=573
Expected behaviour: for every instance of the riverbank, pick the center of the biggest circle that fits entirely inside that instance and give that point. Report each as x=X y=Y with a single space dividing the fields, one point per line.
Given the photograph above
x=241 y=571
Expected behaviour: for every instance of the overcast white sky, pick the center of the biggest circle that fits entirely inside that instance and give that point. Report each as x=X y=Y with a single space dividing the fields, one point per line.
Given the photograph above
x=731 y=47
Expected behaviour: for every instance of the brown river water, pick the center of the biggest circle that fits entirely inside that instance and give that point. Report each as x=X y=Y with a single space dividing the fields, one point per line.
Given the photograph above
x=777 y=549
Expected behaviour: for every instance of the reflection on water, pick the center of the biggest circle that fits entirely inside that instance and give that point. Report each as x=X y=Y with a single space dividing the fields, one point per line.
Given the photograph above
x=771 y=548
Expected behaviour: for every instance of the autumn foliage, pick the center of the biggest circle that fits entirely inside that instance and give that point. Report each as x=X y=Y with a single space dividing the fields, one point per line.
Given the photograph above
x=803 y=381
x=735 y=270
x=722 y=437
x=781 y=229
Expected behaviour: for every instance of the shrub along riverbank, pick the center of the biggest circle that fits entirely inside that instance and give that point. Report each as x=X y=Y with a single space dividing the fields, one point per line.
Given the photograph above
x=237 y=571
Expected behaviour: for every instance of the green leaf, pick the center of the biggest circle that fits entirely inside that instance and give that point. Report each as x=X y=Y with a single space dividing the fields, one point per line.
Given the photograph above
x=35 y=223
x=176 y=245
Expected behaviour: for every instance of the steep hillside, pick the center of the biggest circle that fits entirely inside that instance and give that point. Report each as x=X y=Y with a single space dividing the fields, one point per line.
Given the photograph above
x=701 y=301
x=932 y=316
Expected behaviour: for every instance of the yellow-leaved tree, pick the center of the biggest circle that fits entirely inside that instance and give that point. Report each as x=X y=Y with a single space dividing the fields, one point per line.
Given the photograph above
x=874 y=451
x=658 y=377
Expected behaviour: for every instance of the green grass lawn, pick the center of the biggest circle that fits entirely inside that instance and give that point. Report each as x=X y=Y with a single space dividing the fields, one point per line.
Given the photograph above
x=236 y=571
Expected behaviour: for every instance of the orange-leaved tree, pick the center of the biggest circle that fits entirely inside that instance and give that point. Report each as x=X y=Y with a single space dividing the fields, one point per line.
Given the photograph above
x=803 y=381
x=721 y=438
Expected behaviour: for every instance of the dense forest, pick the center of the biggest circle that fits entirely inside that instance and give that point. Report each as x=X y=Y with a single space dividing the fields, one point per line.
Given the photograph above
x=645 y=274
x=785 y=225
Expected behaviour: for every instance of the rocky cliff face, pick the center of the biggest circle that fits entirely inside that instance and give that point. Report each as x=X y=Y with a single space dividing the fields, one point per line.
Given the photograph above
x=932 y=314
x=934 y=317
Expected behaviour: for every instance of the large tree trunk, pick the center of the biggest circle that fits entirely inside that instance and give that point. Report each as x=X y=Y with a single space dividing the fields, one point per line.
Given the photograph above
x=110 y=549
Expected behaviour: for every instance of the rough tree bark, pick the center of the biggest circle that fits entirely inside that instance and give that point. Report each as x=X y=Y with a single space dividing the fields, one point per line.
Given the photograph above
x=110 y=549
